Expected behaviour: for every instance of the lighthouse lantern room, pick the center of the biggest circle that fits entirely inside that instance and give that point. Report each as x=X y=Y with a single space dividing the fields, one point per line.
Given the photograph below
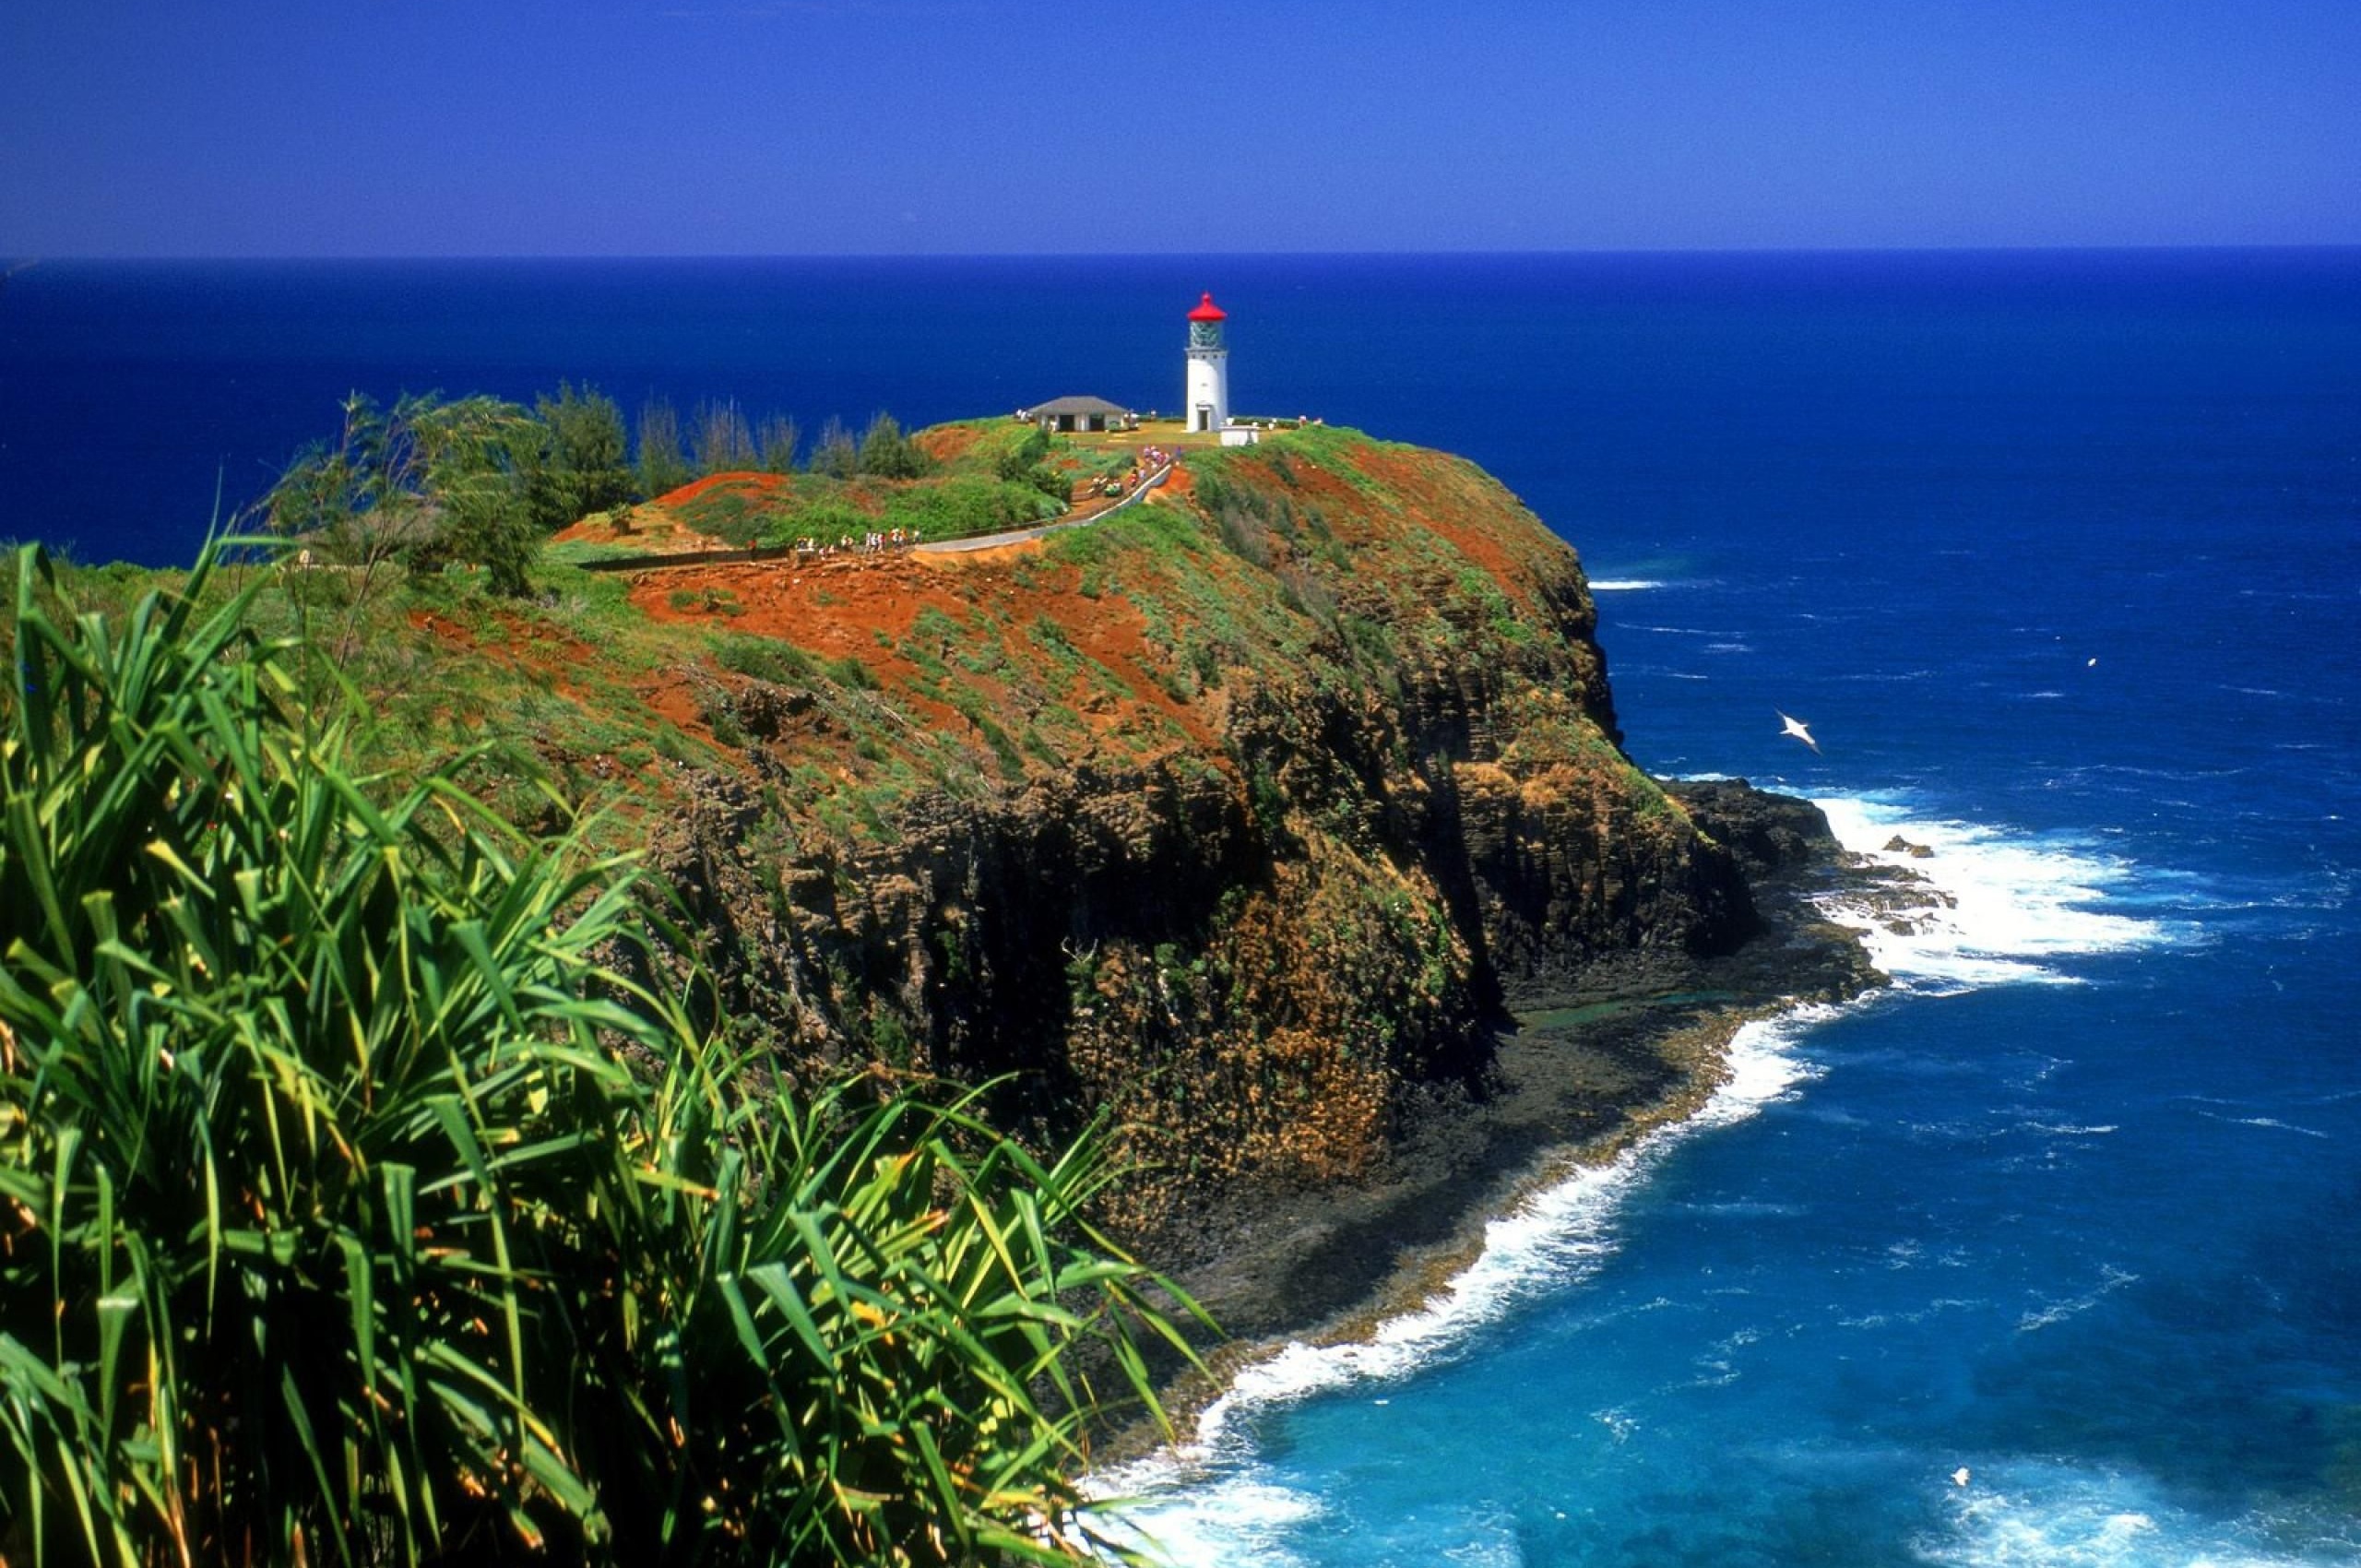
x=1206 y=400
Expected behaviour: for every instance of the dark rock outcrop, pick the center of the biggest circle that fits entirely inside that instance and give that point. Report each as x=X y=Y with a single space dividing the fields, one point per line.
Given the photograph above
x=1772 y=836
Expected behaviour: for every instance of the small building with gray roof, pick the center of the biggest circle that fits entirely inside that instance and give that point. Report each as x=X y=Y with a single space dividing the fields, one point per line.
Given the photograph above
x=1064 y=416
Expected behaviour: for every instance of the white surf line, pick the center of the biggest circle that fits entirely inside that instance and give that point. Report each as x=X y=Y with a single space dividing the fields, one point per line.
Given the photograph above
x=1999 y=906
x=2002 y=902
x=2050 y=1513
x=1553 y=1237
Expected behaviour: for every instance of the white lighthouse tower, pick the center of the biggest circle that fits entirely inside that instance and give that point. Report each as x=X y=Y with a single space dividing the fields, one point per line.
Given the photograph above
x=1206 y=402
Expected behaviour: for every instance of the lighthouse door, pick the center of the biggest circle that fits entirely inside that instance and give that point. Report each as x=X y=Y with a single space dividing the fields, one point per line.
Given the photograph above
x=1204 y=416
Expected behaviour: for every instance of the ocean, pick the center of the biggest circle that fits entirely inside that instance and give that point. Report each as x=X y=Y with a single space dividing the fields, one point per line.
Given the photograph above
x=2050 y=1253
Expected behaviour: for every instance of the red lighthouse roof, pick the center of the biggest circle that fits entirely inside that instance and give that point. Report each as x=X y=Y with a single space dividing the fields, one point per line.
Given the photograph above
x=1208 y=311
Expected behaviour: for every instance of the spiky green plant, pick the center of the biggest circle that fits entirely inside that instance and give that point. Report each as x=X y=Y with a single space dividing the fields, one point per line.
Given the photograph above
x=877 y=1314
x=352 y=1211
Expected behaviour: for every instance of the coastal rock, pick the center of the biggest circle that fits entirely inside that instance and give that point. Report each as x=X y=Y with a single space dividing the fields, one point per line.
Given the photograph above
x=1772 y=836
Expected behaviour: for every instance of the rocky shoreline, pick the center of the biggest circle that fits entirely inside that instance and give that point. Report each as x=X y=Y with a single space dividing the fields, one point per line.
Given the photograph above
x=1576 y=1078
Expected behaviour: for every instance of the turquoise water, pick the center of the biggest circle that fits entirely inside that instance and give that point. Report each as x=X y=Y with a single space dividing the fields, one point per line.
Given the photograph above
x=2059 y=556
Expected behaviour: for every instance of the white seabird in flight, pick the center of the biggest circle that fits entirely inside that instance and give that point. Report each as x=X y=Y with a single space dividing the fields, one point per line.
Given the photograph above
x=1795 y=726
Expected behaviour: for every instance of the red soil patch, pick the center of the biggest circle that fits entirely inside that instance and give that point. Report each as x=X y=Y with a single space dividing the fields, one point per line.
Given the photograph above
x=656 y=526
x=441 y=626
x=833 y=608
x=1458 y=508
x=671 y=701
x=547 y=656
x=764 y=482
x=945 y=442
x=1349 y=513
x=839 y=609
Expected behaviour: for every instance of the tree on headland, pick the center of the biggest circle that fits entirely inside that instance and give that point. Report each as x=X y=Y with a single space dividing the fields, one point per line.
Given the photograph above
x=720 y=439
x=776 y=437
x=352 y=498
x=660 y=463
x=427 y=481
x=834 y=455
x=585 y=463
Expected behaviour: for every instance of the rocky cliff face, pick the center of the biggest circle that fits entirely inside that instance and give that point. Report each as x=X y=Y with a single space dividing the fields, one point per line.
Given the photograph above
x=1236 y=818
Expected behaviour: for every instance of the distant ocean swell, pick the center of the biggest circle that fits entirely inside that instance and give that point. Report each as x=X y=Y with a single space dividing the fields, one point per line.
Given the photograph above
x=2000 y=904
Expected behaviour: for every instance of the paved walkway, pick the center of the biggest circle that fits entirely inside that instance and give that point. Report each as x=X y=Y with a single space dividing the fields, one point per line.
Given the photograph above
x=1019 y=536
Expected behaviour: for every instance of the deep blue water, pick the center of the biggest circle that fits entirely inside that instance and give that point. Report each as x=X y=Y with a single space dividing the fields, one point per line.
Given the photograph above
x=2059 y=556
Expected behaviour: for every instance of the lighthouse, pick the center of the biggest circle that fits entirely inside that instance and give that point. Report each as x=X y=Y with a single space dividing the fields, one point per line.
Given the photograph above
x=1205 y=403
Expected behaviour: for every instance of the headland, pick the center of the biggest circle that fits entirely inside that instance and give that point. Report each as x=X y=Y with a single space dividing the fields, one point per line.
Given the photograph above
x=1274 y=814
x=1267 y=809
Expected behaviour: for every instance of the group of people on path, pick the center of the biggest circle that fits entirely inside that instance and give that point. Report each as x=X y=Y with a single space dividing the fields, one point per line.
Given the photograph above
x=1150 y=459
x=876 y=541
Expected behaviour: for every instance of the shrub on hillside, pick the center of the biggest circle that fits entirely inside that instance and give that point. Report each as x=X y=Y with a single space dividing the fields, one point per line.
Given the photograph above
x=963 y=508
x=887 y=453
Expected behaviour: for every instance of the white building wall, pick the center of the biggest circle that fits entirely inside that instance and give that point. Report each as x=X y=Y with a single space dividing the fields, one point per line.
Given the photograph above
x=1208 y=384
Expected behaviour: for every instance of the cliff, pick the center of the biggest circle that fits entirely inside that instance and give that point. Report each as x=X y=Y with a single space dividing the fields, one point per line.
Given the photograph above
x=1238 y=817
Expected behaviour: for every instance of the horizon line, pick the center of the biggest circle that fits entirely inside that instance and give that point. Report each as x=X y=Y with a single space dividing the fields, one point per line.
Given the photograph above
x=21 y=261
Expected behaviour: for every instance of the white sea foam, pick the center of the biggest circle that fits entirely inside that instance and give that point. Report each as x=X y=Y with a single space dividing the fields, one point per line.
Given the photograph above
x=1623 y=585
x=1620 y=1422
x=1558 y=1234
x=2004 y=905
x=2037 y=1514
x=2271 y=1123
x=2111 y=1279
x=1233 y=1520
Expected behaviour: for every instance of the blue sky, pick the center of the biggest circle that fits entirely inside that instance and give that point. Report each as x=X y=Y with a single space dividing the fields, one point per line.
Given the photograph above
x=635 y=128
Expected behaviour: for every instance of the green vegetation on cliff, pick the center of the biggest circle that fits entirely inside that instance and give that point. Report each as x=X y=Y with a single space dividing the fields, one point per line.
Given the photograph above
x=1234 y=818
x=357 y=1205
x=1229 y=823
